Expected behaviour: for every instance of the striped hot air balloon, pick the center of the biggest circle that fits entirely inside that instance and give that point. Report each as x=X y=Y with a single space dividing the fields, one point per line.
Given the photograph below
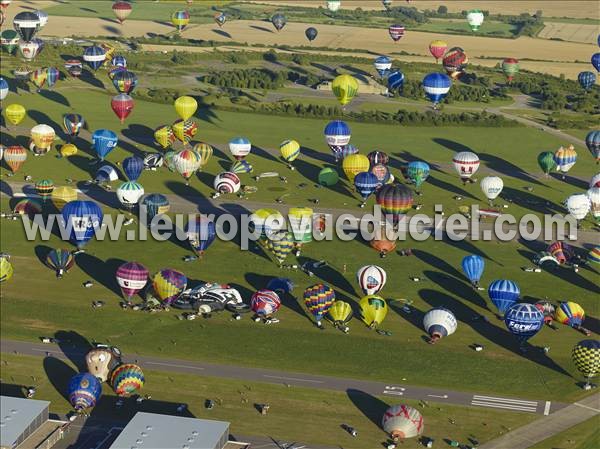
x=94 y=56
x=72 y=124
x=565 y=158
x=318 y=299
x=396 y=32
x=592 y=141
x=289 y=150
x=132 y=277
x=168 y=284
x=436 y=87
x=121 y=10
x=570 y=314
x=186 y=162
x=455 y=61
x=15 y=156
x=437 y=49
x=510 y=67
x=205 y=151
x=44 y=188
x=395 y=200
x=28 y=206
x=281 y=244
x=180 y=19
x=227 y=182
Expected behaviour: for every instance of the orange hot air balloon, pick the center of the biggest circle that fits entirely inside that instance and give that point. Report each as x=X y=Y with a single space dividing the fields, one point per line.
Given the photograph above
x=15 y=156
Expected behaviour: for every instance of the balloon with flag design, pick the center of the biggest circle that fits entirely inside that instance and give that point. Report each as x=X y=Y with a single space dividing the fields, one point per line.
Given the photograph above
x=264 y=303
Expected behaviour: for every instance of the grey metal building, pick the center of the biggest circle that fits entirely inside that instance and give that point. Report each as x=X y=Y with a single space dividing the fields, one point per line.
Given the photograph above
x=19 y=419
x=156 y=431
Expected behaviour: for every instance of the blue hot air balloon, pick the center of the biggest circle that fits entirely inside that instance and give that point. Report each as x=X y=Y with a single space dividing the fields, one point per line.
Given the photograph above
x=104 y=141
x=503 y=294
x=586 y=79
x=596 y=61
x=383 y=64
x=119 y=61
x=133 y=166
x=84 y=390
x=3 y=88
x=81 y=219
x=365 y=183
x=337 y=133
x=395 y=80
x=473 y=266
x=523 y=320
x=94 y=56
x=592 y=141
x=436 y=86
x=201 y=233
x=155 y=204
x=281 y=285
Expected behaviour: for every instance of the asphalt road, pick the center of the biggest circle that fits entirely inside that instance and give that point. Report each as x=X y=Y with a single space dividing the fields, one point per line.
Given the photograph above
x=391 y=389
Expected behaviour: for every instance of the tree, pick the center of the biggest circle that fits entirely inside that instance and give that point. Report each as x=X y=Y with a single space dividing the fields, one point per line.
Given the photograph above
x=442 y=10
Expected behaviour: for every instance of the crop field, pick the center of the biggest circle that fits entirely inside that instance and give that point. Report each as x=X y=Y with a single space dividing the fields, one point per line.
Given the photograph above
x=572 y=32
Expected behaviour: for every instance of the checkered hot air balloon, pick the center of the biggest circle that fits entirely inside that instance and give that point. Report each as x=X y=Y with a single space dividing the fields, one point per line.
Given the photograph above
x=132 y=277
x=281 y=244
x=318 y=299
x=586 y=357
x=184 y=130
x=264 y=303
x=164 y=136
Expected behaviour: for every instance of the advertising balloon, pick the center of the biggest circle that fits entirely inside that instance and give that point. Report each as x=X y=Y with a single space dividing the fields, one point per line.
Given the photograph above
x=503 y=294
x=439 y=323
x=473 y=266
x=436 y=86
x=9 y=40
x=373 y=310
x=383 y=64
x=83 y=391
x=355 y=164
x=266 y=221
x=15 y=156
x=81 y=219
x=586 y=357
x=345 y=88
x=44 y=188
x=155 y=204
x=27 y=24
x=227 y=182
x=164 y=136
x=133 y=167
x=523 y=320
x=570 y=314
x=240 y=147
x=466 y=164
x=474 y=19
x=311 y=33
x=492 y=186
x=300 y=224
x=103 y=142
x=186 y=107
x=455 y=61
x=60 y=260
x=437 y=49
x=592 y=141
x=14 y=113
x=278 y=20
x=127 y=379
x=129 y=193
x=72 y=124
x=578 y=205
x=122 y=105
x=94 y=56
x=121 y=10
x=371 y=279
x=180 y=19
x=43 y=136
x=201 y=233
x=396 y=32
x=168 y=284
x=264 y=303
x=337 y=133
x=132 y=277
x=318 y=299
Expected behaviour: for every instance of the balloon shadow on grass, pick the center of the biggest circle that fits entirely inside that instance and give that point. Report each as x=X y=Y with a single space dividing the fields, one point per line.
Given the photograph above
x=59 y=374
x=139 y=134
x=451 y=145
x=101 y=271
x=83 y=163
x=90 y=78
x=456 y=287
x=415 y=317
x=40 y=117
x=41 y=252
x=446 y=186
x=264 y=29
x=372 y=407
x=530 y=201
x=55 y=96
x=572 y=181
x=437 y=263
x=261 y=152
x=507 y=168
x=326 y=158
x=6 y=189
x=102 y=196
x=221 y=33
x=334 y=278
x=206 y=114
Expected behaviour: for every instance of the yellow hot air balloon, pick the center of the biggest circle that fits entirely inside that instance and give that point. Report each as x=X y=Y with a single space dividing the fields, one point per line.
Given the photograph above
x=67 y=150
x=185 y=107
x=344 y=87
x=205 y=151
x=62 y=195
x=373 y=310
x=164 y=136
x=6 y=269
x=290 y=150
x=354 y=164
x=43 y=136
x=14 y=113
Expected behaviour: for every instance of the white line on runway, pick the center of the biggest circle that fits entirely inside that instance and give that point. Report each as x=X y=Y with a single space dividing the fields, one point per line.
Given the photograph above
x=505 y=406
x=506 y=400
x=396 y=393
x=585 y=406
x=444 y=396
x=547 y=408
x=294 y=378
x=172 y=364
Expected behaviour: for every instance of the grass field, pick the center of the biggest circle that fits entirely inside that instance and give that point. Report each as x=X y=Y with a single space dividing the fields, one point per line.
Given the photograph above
x=572 y=32
x=320 y=420
x=582 y=436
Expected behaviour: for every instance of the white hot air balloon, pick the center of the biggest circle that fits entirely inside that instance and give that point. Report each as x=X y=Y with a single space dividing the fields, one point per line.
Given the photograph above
x=466 y=164
x=240 y=147
x=129 y=193
x=594 y=196
x=333 y=5
x=43 y=135
x=106 y=173
x=475 y=19
x=491 y=187
x=371 y=279
x=595 y=181
x=439 y=323
x=29 y=50
x=227 y=182
x=402 y=421
x=3 y=88
x=578 y=205
x=43 y=17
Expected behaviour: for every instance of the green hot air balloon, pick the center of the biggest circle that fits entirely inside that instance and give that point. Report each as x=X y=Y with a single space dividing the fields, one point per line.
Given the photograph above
x=546 y=162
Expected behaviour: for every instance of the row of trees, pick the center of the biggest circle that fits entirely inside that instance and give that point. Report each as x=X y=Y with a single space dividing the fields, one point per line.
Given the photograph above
x=248 y=79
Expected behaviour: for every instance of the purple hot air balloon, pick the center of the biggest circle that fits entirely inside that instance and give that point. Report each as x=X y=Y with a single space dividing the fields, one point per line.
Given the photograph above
x=131 y=277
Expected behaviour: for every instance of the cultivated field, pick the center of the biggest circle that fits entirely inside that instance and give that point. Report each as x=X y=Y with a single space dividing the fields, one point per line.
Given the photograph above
x=572 y=32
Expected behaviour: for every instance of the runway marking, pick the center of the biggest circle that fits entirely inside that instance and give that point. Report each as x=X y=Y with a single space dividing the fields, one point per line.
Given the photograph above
x=585 y=406
x=293 y=378
x=547 y=408
x=506 y=400
x=396 y=393
x=173 y=364
x=505 y=406
x=445 y=396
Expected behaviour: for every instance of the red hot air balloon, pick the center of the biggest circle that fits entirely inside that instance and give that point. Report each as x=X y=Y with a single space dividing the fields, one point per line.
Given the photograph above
x=122 y=105
x=121 y=10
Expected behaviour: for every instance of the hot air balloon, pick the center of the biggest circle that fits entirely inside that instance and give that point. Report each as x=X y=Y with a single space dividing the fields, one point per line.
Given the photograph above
x=122 y=105
x=3 y=88
x=491 y=187
x=201 y=233
x=596 y=61
x=396 y=32
x=74 y=67
x=155 y=204
x=278 y=20
x=503 y=294
x=318 y=299
x=300 y=224
x=266 y=221
x=402 y=421
x=15 y=156
x=333 y=5
x=395 y=80
x=570 y=314
x=4 y=4
x=437 y=49
x=240 y=147
x=28 y=206
x=6 y=269
x=417 y=172
x=578 y=205
x=594 y=255
x=474 y=19
x=592 y=141
x=395 y=200
x=125 y=81
x=382 y=64
x=83 y=391
x=281 y=286
x=9 y=40
x=242 y=166
x=94 y=56
x=44 y=188
x=371 y=279
x=129 y=193
x=473 y=266
x=133 y=166
x=72 y=124
x=340 y=314
x=565 y=158
x=546 y=162
x=114 y=71
x=186 y=107
x=220 y=18
x=38 y=78
x=52 y=76
x=43 y=136
x=547 y=309
x=42 y=17
x=280 y=244
x=205 y=151
x=164 y=136
x=455 y=61
x=289 y=150
x=365 y=184
x=523 y=321
x=180 y=20
x=466 y=164
x=103 y=142
x=62 y=195
x=439 y=323
x=328 y=177
x=168 y=284
x=586 y=357
x=510 y=67
x=382 y=173
x=127 y=379
x=227 y=182
x=337 y=133
x=119 y=61
x=81 y=219
x=26 y=23
x=14 y=113
x=373 y=310
x=345 y=88
x=106 y=173
x=184 y=130
x=101 y=361
x=264 y=303
x=311 y=33
x=436 y=87
x=60 y=260
x=561 y=251
x=186 y=162
x=121 y=10
x=355 y=164
x=586 y=79
x=132 y=277
x=594 y=195
x=595 y=181
x=378 y=157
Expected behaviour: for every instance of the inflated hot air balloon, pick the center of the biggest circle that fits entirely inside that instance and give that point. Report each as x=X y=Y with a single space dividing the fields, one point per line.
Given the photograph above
x=396 y=32
x=186 y=162
x=596 y=61
x=280 y=244
x=129 y=193
x=168 y=284
x=455 y=61
x=103 y=142
x=378 y=157
x=186 y=107
x=417 y=172
x=578 y=205
x=371 y=279
x=3 y=88
x=201 y=233
x=264 y=303
x=15 y=157
x=565 y=158
x=81 y=219
x=523 y=321
x=94 y=56
x=473 y=266
x=354 y=164
x=9 y=40
x=62 y=195
x=72 y=124
x=382 y=64
x=474 y=19
x=44 y=188
x=436 y=87
x=113 y=72
x=503 y=294
x=106 y=173
x=205 y=151
x=60 y=260
x=547 y=309
x=242 y=166
x=595 y=180
x=318 y=299
x=510 y=67
x=337 y=133
x=395 y=80
x=74 y=67
x=402 y=421
x=127 y=379
x=333 y=5
x=153 y=161
x=132 y=277
x=227 y=182
x=220 y=18
x=164 y=136
x=184 y=130
x=594 y=255
x=466 y=164
x=38 y=78
x=289 y=150
x=328 y=177
x=365 y=184
x=125 y=81
x=27 y=24
x=266 y=221
x=437 y=49
x=14 y=113
x=586 y=79
x=561 y=251
x=491 y=186
x=4 y=4
x=121 y=10
x=52 y=76
x=300 y=224
x=586 y=357
x=592 y=141
x=382 y=173
x=43 y=136
x=28 y=206
x=340 y=313
x=240 y=147
x=395 y=200
x=278 y=20
x=101 y=361
x=155 y=204
x=83 y=391
x=373 y=310
x=311 y=33
x=439 y=323
x=345 y=88
x=122 y=105
x=546 y=162
x=133 y=167
x=594 y=195
x=180 y=20
x=570 y=314
x=119 y=61
x=6 y=269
